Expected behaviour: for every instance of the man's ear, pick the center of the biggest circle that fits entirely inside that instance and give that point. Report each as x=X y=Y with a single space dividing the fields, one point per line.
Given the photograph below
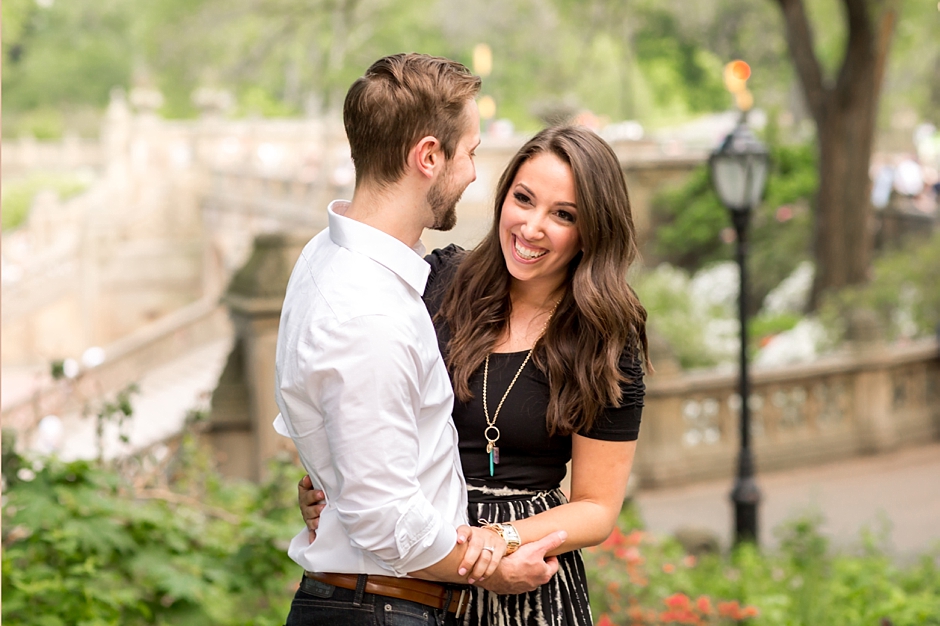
x=427 y=156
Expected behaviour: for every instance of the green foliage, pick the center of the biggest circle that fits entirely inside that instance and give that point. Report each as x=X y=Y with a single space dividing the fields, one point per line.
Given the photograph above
x=765 y=325
x=18 y=195
x=640 y=579
x=689 y=222
x=65 y=53
x=85 y=543
x=118 y=411
x=676 y=316
x=904 y=292
x=681 y=73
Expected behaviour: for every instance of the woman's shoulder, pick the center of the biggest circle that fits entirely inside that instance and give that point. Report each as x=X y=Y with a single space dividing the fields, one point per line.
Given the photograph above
x=444 y=263
x=444 y=258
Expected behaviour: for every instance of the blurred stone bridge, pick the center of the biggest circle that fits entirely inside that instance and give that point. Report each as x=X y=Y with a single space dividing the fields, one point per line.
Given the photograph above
x=137 y=263
x=175 y=259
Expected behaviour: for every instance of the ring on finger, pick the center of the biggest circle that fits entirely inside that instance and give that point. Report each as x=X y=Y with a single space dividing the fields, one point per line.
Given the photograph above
x=490 y=548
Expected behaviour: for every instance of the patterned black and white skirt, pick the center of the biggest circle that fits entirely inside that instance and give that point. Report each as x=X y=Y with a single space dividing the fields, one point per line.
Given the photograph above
x=562 y=601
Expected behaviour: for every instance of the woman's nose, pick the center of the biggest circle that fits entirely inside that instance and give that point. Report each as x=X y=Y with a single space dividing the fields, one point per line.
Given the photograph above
x=532 y=227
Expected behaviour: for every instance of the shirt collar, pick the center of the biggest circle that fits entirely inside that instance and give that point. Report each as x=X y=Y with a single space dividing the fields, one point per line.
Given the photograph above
x=407 y=263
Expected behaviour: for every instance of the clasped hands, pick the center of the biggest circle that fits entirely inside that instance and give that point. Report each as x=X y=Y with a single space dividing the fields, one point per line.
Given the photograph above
x=483 y=563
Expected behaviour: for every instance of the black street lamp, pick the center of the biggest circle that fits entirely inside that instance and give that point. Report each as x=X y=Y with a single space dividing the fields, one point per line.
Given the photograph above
x=739 y=174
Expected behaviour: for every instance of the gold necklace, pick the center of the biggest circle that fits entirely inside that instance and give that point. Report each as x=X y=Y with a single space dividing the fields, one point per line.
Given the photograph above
x=491 y=432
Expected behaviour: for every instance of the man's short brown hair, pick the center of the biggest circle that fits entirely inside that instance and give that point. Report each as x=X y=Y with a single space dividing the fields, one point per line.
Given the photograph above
x=400 y=99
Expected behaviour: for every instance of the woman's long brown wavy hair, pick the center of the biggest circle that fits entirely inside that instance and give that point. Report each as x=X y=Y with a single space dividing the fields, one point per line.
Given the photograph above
x=599 y=315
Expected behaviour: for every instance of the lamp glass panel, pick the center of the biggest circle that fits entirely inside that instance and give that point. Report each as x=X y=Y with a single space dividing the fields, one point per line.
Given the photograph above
x=757 y=178
x=730 y=177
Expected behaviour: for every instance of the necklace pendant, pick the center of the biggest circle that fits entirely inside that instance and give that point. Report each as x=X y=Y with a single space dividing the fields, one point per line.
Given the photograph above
x=492 y=469
x=489 y=447
x=495 y=455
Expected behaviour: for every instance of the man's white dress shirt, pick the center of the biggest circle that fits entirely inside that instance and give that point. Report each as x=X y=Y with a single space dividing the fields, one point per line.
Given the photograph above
x=365 y=395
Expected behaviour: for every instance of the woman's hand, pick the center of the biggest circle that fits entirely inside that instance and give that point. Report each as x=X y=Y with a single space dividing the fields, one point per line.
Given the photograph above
x=312 y=502
x=485 y=549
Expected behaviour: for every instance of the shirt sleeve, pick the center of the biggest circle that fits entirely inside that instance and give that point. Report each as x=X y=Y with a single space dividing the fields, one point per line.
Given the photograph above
x=622 y=423
x=367 y=375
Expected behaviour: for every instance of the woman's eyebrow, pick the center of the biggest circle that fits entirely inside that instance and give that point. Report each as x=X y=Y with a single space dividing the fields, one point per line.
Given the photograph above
x=532 y=193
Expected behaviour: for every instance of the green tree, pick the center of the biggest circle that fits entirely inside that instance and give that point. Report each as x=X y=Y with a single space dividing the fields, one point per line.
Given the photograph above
x=65 y=55
x=845 y=110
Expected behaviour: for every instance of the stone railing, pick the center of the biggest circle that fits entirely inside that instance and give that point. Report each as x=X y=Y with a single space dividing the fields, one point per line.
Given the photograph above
x=867 y=400
x=67 y=155
x=127 y=360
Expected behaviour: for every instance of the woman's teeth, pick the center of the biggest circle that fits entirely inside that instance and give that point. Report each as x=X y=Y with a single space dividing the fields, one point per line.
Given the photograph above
x=526 y=253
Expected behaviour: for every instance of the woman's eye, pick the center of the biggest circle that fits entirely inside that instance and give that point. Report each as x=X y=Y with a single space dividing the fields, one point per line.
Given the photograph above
x=565 y=215
x=521 y=197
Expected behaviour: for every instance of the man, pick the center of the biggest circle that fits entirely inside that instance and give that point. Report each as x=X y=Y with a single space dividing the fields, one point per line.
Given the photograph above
x=361 y=385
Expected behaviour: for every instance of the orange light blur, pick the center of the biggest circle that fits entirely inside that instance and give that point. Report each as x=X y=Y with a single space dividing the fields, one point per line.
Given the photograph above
x=740 y=69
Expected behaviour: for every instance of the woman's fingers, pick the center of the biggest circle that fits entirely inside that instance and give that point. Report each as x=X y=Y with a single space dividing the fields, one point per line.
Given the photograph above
x=474 y=542
x=484 y=551
x=484 y=568
x=311 y=505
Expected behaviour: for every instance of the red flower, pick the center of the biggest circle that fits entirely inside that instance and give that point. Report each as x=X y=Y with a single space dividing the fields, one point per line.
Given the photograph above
x=634 y=538
x=605 y=620
x=678 y=601
x=669 y=568
x=631 y=555
x=750 y=611
x=730 y=609
x=704 y=605
x=681 y=616
x=615 y=539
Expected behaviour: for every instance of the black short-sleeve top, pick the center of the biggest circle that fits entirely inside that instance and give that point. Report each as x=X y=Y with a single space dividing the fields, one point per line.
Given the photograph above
x=528 y=457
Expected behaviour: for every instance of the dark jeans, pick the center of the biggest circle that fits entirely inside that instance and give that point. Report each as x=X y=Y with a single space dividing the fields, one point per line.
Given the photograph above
x=318 y=603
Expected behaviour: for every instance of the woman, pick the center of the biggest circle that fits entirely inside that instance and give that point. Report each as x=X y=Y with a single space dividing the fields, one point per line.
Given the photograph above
x=544 y=341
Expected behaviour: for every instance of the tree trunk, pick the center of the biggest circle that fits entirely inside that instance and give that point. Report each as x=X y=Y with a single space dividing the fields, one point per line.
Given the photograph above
x=843 y=235
x=845 y=113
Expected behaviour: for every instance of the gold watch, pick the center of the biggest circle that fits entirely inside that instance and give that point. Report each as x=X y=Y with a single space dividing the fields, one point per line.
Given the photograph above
x=508 y=532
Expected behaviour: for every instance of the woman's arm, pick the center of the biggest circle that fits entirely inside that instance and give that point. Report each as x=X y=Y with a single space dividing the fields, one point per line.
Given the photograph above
x=599 y=473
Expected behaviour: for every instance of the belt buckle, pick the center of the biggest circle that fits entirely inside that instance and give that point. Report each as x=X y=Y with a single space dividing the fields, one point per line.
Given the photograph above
x=461 y=604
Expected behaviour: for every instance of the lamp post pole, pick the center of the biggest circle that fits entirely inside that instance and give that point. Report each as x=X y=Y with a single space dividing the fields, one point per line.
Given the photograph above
x=746 y=494
x=739 y=172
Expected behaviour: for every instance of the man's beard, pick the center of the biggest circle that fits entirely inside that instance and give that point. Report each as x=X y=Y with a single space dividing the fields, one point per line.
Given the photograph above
x=443 y=202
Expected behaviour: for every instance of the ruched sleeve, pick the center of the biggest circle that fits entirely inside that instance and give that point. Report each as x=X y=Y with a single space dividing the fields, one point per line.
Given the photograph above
x=622 y=423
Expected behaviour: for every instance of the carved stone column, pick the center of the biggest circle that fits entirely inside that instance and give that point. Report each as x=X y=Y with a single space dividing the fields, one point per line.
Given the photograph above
x=877 y=431
x=243 y=406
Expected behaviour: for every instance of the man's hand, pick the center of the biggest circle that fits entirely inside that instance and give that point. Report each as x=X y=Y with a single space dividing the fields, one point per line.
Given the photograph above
x=527 y=568
x=312 y=502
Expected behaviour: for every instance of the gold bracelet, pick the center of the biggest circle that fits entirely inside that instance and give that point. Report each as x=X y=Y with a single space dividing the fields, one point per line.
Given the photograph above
x=508 y=533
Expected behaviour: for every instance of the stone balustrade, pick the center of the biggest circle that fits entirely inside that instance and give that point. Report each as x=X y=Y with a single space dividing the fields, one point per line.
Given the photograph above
x=871 y=398
x=27 y=154
x=126 y=360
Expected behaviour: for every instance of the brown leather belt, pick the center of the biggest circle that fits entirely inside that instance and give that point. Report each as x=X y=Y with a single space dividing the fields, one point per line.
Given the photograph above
x=454 y=598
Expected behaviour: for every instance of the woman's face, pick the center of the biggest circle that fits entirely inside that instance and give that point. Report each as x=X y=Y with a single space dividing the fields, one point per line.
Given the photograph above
x=538 y=225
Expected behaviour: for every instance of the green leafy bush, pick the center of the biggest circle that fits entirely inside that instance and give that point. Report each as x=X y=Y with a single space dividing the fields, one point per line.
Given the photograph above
x=638 y=579
x=18 y=195
x=904 y=292
x=86 y=543
x=683 y=321
x=689 y=220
